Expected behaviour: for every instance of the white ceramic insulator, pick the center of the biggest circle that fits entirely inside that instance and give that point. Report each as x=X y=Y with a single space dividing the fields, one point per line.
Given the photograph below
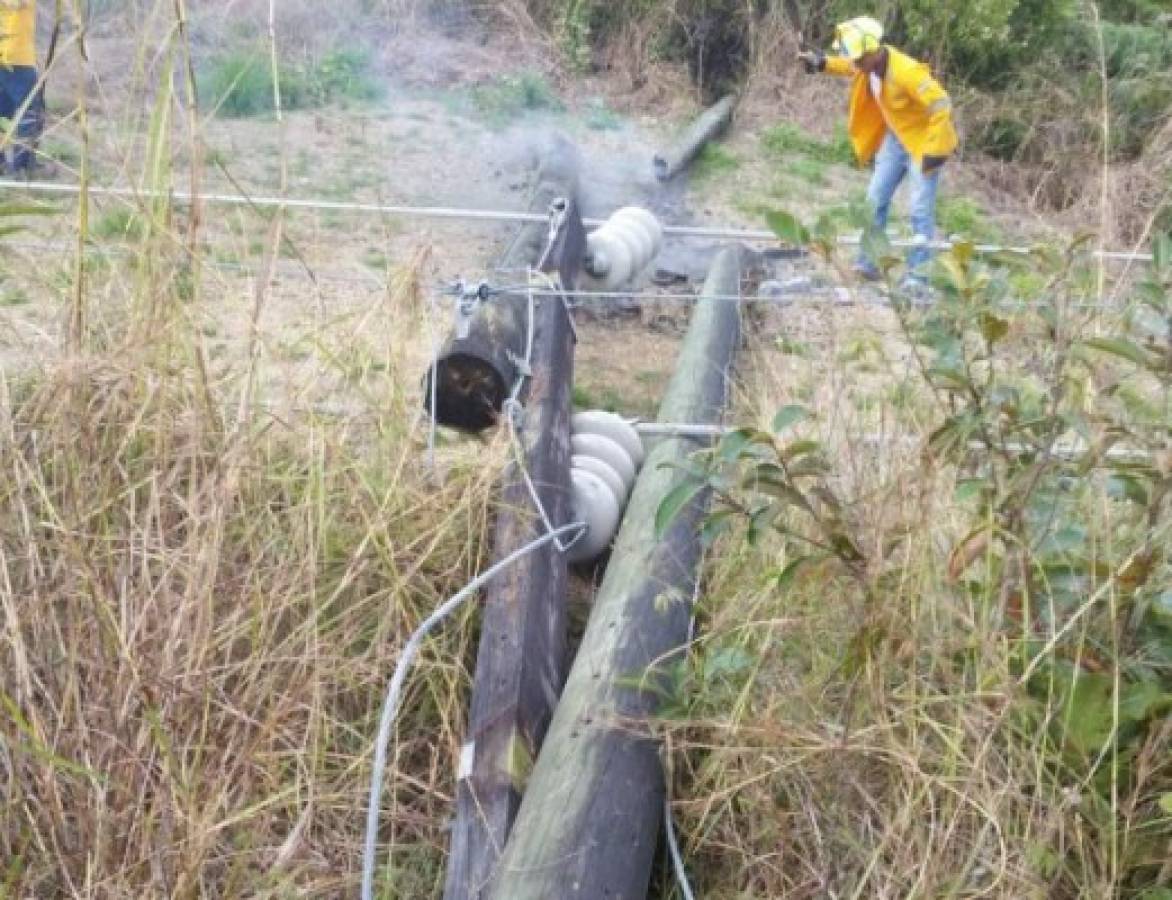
x=622 y=248
x=596 y=466
x=636 y=239
x=597 y=258
x=610 y=452
x=647 y=220
x=594 y=504
x=609 y=258
x=606 y=452
x=613 y=426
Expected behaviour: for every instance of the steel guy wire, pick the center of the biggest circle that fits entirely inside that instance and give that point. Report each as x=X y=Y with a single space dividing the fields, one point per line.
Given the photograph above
x=834 y=296
x=749 y=235
x=512 y=409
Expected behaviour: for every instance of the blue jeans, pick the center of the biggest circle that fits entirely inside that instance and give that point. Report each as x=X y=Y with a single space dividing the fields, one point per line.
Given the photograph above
x=892 y=163
x=17 y=84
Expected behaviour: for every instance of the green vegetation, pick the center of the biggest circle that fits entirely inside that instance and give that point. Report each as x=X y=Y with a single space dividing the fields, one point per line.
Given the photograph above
x=1025 y=74
x=934 y=633
x=807 y=169
x=713 y=161
x=957 y=676
x=956 y=215
x=503 y=100
x=120 y=223
x=786 y=139
x=63 y=153
x=605 y=398
x=600 y=117
x=240 y=83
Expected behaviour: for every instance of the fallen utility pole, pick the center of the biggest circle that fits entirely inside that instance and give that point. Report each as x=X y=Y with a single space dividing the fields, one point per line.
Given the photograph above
x=521 y=663
x=591 y=816
x=711 y=123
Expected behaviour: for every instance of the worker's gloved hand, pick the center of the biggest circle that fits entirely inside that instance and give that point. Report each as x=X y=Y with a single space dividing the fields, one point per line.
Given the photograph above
x=812 y=60
x=932 y=164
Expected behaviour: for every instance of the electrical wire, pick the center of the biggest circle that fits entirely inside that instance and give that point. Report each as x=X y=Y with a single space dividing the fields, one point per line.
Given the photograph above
x=837 y=297
x=748 y=235
x=395 y=690
x=673 y=846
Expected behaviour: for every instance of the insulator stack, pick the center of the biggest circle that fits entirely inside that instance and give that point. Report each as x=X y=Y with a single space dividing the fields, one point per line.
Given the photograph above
x=607 y=453
x=622 y=248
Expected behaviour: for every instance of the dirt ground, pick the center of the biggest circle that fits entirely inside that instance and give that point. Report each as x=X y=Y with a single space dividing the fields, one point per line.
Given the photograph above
x=331 y=310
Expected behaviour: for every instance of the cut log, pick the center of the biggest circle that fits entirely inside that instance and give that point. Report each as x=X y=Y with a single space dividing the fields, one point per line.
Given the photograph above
x=521 y=663
x=711 y=123
x=591 y=815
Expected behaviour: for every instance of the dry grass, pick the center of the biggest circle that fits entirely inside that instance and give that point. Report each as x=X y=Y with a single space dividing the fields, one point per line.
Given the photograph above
x=214 y=548
x=200 y=610
x=209 y=570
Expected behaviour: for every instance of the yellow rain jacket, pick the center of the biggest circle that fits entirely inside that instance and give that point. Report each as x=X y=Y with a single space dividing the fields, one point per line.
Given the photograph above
x=915 y=107
x=18 y=32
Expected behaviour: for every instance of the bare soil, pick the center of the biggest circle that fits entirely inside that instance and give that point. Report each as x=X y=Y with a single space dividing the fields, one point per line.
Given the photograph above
x=427 y=144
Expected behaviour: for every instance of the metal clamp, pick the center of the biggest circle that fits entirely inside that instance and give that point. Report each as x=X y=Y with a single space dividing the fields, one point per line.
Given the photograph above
x=467 y=298
x=557 y=219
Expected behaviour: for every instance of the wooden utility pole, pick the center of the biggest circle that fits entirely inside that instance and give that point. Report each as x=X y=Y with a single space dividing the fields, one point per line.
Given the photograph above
x=708 y=126
x=591 y=816
x=520 y=667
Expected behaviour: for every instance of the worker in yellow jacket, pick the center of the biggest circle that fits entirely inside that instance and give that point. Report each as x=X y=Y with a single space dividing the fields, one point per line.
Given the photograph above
x=900 y=119
x=18 y=79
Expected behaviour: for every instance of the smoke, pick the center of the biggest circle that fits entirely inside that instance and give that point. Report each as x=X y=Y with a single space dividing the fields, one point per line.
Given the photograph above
x=489 y=167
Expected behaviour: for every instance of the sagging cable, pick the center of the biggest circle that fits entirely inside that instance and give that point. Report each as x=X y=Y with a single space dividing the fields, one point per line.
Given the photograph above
x=395 y=691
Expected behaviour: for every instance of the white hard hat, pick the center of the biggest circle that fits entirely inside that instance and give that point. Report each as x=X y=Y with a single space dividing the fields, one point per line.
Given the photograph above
x=858 y=36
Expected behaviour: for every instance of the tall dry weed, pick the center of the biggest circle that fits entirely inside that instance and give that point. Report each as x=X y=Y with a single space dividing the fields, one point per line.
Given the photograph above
x=207 y=573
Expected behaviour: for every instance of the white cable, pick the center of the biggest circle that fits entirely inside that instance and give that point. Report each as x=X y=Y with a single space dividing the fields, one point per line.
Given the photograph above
x=484 y=215
x=797 y=298
x=395 y=689
x=673 y=846
x=433 y=212
x=842 y=297
x=512 y=410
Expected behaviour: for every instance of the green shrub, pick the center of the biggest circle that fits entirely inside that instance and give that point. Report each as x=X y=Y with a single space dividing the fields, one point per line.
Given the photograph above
x=240 y=83
x=1138 y=62
x=574 y=33
x=807 y=169
x=1003 y=137
x=963 y=216
x=1017 y=639
x=343 y=75
x=600 y=117
x=503 y=100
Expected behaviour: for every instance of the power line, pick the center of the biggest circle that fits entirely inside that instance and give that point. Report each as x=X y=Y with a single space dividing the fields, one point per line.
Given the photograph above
x=823 y=296
x=747 y=235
